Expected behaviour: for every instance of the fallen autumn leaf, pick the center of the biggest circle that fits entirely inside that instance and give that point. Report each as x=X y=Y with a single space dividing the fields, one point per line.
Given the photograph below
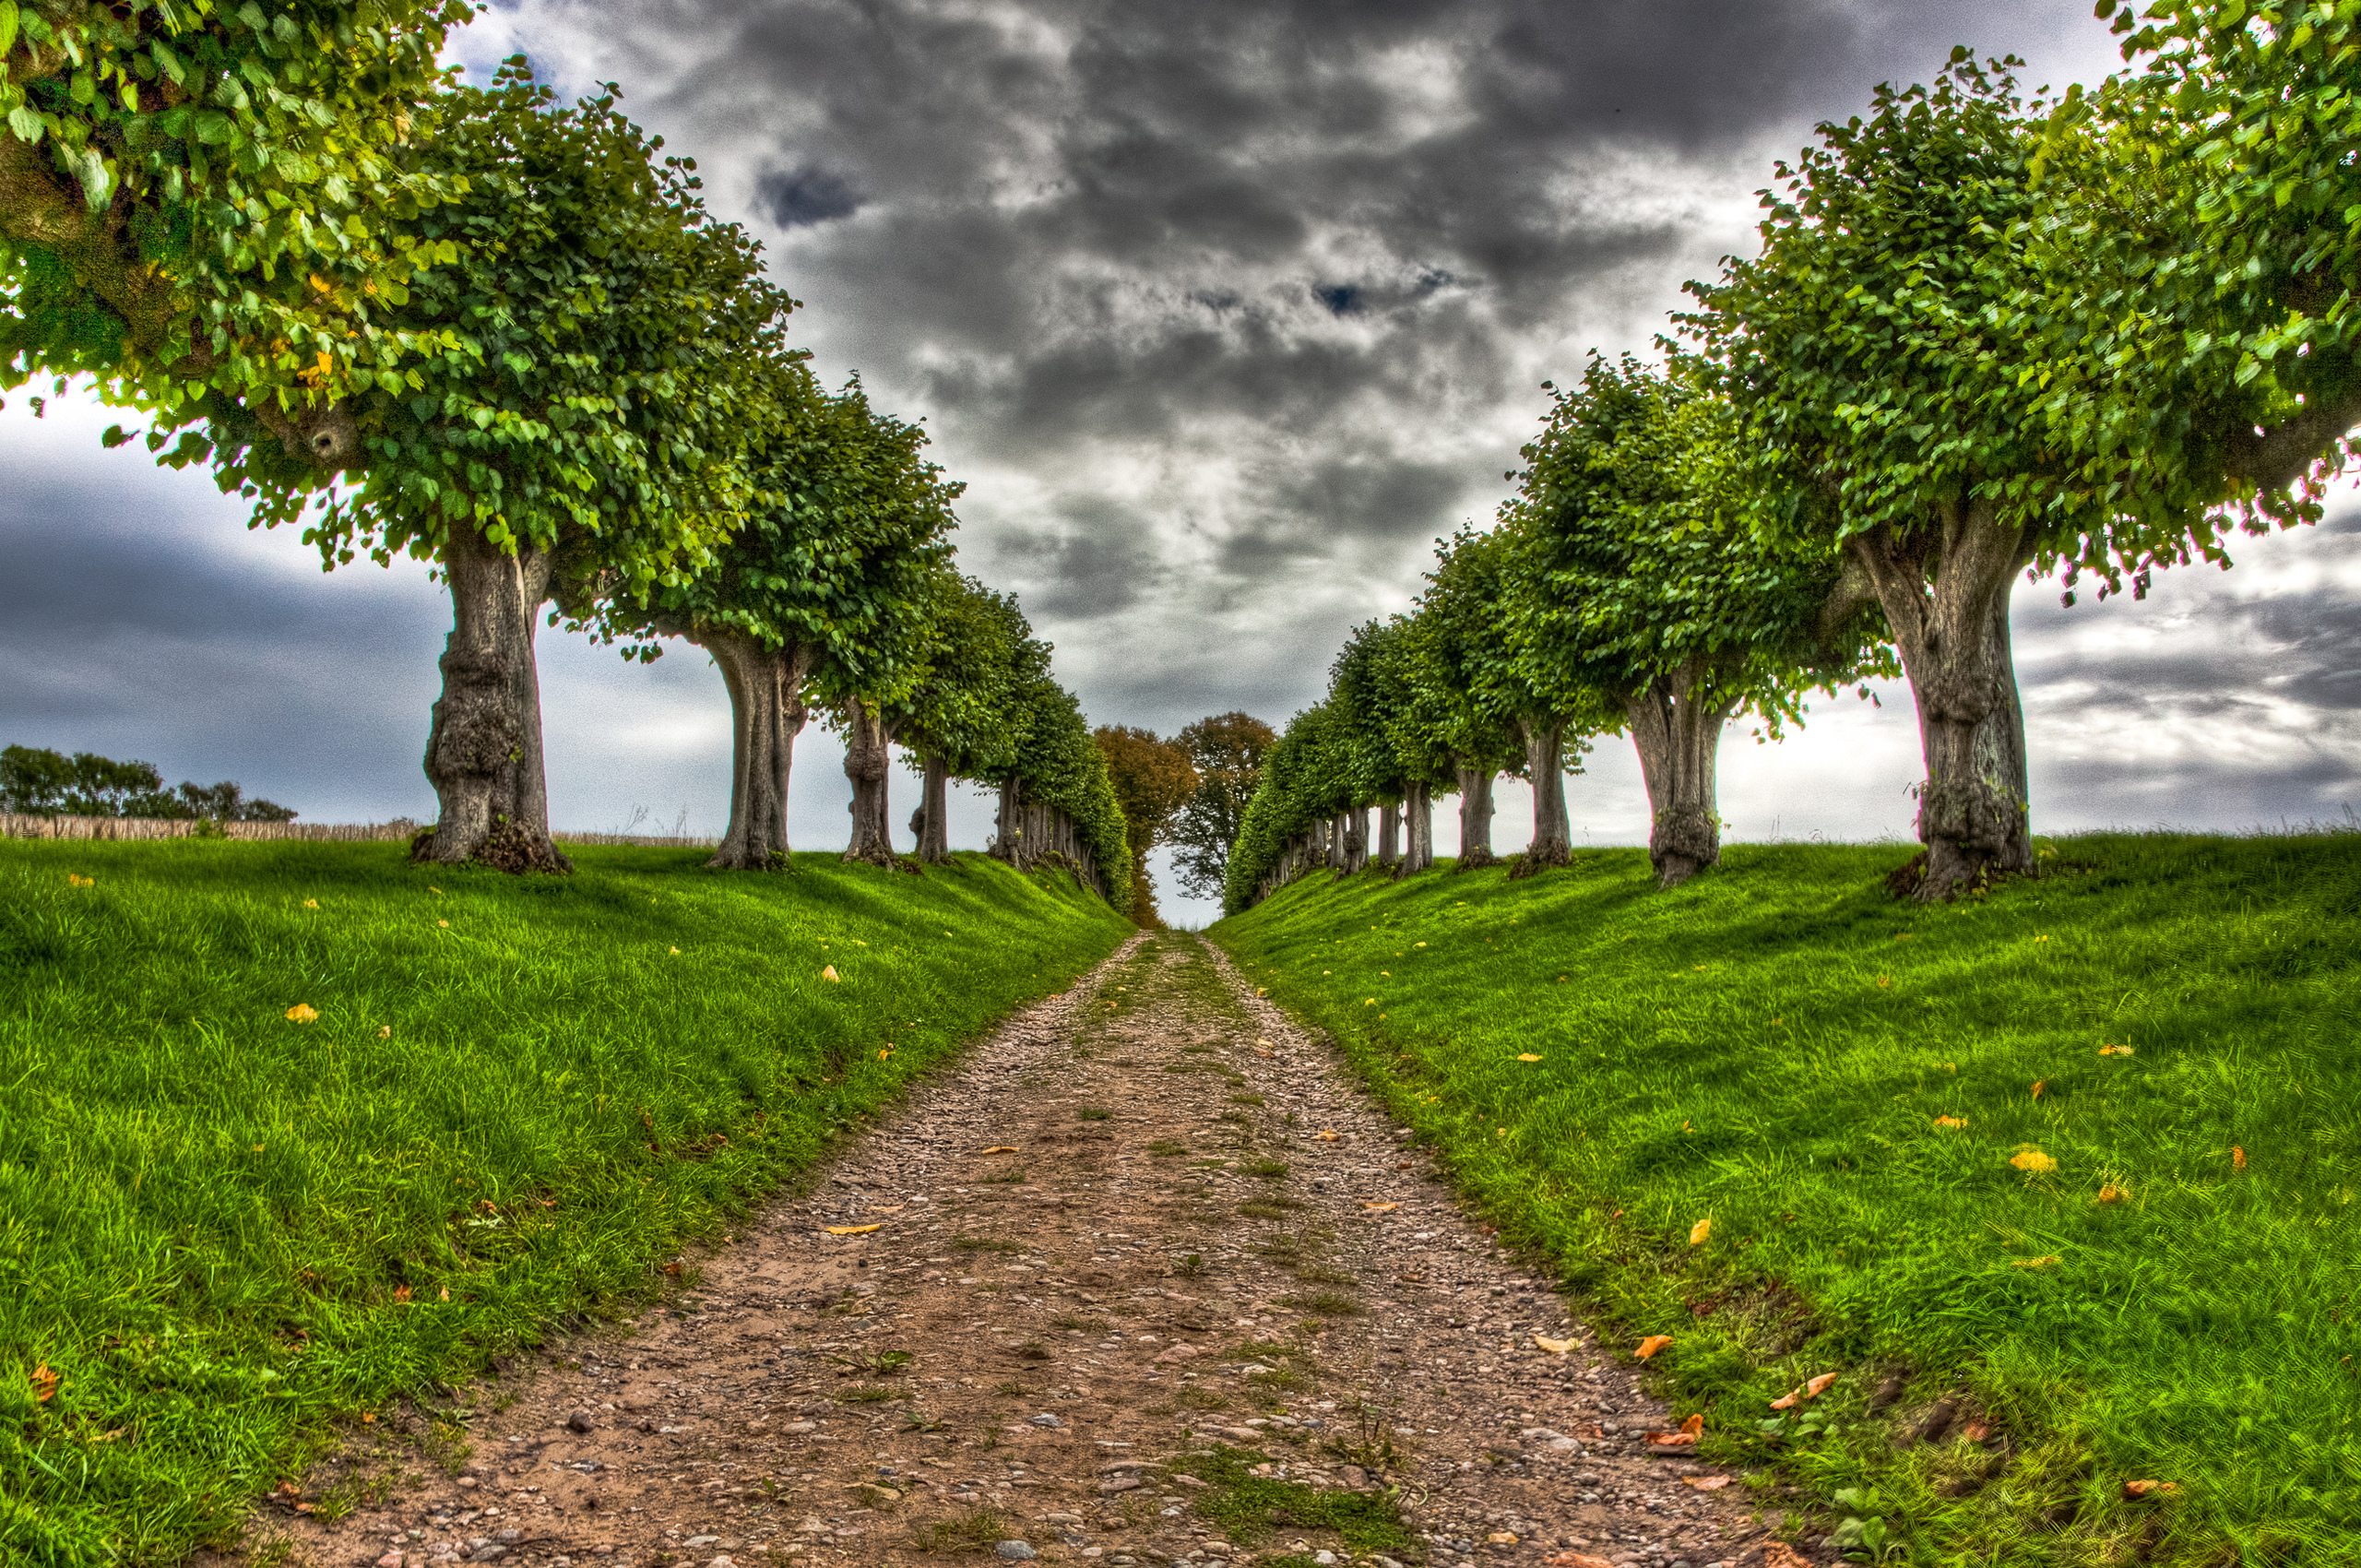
x=852 y=1229
x=1555 y=1347
x=1651 y=1345
x=1699 y=1231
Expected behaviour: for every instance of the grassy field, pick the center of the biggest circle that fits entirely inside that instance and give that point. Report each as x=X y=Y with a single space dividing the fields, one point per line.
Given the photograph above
x=2078 y=1157
x=287 y=1129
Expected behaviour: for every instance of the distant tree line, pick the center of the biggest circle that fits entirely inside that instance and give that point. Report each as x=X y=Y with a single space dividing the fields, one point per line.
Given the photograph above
x=38 y=783
x=1985 y=336
x=502 y=334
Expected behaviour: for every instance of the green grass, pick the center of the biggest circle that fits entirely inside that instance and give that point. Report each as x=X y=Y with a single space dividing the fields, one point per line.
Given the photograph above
x=1247 y=1506
x=226 y=1232
x=1770 y=1048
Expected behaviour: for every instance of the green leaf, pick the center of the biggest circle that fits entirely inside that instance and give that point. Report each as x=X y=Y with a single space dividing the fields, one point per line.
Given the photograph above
x=8 y=17
x=25 y=123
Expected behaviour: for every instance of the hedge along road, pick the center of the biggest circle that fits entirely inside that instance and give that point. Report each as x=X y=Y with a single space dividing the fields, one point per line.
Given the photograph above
x=1145 y=1279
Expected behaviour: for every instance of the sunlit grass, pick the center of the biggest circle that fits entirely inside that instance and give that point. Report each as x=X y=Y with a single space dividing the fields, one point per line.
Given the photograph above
x=1775 y=1049
x=222 y=1228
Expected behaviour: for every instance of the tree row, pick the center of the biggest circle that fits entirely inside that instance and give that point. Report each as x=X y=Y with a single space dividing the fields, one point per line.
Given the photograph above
x=1986 y=336
x=502 y=334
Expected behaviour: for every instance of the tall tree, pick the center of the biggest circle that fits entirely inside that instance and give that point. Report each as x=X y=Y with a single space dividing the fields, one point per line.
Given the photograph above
x=846 y=534
x=1153 y=779
x=1655 y=593
x=1226 y=750
x=1418 y=722
x=962 y=723
x=1494 y=717
x=1910 y=388
x=615 y=363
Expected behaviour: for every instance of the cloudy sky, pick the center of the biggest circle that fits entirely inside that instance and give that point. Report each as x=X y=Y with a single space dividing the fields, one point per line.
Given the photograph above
x=1224 y=312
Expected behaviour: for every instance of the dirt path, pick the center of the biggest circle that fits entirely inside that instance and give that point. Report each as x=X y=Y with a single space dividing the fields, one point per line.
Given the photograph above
x=1150 y=1318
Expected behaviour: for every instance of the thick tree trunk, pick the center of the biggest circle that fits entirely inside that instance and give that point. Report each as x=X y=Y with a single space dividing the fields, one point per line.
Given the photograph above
x=1545 y=762
x=1389 y=833
x=1356 y=841
x=1677 y=733
x=1475 y=818
x=766 y=712
x=483 y=754
x=1947 y=601
x=932 y=822
x=867 y=740
x=1419 y=817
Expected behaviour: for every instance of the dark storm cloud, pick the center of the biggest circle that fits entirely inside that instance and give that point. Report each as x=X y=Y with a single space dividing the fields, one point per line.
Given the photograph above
x=795 y=198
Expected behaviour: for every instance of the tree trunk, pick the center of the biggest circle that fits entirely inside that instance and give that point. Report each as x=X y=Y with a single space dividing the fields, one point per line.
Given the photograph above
x=1008 y=825
x=867 y=740
x=1946 y=603
x=484 y=753
x=932 y=823
x=1356 y=841
x=1419 y=818
x=766 y=712
x=1389 y=833
x=1677 y=733
x=1475 y=818
x=1545 y=761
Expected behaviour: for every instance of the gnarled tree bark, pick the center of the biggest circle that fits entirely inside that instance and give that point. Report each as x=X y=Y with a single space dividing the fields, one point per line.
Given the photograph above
x=1356 y=841
x=766 y=712
x=1545 y=761
x=1945 y=593
x=1389 y=833
x=1475 y=818
x=933 y=821
x=867 y=740
x=483 y=754
x=1418 y=815
x=1677 y=733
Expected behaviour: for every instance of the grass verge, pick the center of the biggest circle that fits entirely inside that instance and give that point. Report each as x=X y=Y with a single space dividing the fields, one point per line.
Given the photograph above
x=289 y=1129
x=2059 y=1181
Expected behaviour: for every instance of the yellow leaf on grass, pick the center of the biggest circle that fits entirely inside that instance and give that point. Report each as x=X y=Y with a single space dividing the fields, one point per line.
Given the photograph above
x=442 y=922
x=401 y=1292
x=2111 y=1194
x=2145 y=1489
x=2115 y=1050
x=45 y=1383
x=2238 y=1157
x=1381 y=1208
x=1555 y=1347
x=1818 y=1386
x=75 y=879
x=1527 y=1056
x=1699 y=1231
x=1651 y=1344
x=999 y=1148
x=2039 y=1085
x=2031 y=1159
x=301 y=1013
x=829 y=973
x=852 y=1229
x=385 y=1031
x=311 y=903
x=1950 y=1122
x=1787 y=1401
x=2034 y=1263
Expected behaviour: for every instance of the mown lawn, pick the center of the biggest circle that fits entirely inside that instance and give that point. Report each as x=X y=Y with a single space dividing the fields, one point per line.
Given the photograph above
x=224 y=1228
x=2078 y=1156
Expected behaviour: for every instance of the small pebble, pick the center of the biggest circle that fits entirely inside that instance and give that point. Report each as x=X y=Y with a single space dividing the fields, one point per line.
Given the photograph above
x=1014 y=1552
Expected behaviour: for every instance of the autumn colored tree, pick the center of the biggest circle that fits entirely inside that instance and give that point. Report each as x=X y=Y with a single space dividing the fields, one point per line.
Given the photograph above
x=1226 y=750
x=1153 y=780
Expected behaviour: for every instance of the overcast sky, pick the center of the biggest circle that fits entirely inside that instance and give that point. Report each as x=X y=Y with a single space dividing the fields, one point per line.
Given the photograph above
x=1224 y=312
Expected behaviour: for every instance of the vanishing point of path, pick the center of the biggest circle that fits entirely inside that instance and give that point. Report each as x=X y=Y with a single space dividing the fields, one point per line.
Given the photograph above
x=1117 y=1289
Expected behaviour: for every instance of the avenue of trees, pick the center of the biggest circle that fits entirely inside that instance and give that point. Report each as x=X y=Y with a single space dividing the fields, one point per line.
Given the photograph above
x=1985 y=338
x=502 y=334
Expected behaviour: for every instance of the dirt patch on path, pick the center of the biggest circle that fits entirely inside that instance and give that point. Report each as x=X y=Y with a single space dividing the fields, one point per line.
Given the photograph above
x=1113 y=1291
